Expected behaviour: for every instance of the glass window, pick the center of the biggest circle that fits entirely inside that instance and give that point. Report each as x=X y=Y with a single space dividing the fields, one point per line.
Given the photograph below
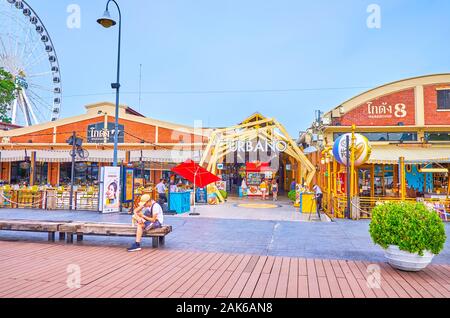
x=437 y=136
x=86 y=176
x=384 y=180
x=384 y=136
x=443 y=99
x=402 y=136
x=18 y=174
x=364 y=182
x=372 y=136
x=41 y=173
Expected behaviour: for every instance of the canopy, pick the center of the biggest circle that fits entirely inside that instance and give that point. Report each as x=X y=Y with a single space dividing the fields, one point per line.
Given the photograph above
x=257 y=166
x=412 y=154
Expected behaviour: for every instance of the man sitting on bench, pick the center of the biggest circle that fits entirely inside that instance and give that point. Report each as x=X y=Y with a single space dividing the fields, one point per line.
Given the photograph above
x=149 y=215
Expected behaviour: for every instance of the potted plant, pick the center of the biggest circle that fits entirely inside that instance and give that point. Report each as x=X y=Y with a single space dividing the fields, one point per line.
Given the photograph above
x=292 y=195
x=410 y=232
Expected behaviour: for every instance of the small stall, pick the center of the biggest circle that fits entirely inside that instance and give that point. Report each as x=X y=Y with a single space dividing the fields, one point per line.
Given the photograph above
x=256 y=172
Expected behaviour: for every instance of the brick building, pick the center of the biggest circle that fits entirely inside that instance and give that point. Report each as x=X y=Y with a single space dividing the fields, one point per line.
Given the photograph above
x=158 y=144
x=409 y=118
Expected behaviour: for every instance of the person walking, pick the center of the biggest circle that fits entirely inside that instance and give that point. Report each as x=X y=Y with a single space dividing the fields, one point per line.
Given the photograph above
x=275 y=190
x=263 y=189
x=318 y=196
x=161 y=188
x=244 y=188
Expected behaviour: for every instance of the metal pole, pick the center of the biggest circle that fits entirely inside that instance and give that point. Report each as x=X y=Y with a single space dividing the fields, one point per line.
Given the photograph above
x=347 y=211
x=117 y=87
x=72 y=176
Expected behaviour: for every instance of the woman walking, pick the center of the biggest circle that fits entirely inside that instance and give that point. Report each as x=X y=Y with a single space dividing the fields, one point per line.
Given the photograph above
x=263 y=189
x=275 y=190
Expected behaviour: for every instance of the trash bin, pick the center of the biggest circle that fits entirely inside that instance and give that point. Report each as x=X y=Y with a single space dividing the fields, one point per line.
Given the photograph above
x=307 y=202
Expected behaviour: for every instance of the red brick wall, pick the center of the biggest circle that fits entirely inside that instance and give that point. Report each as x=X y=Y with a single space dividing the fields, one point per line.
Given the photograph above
x=432 y=116
x=378 y=115
x=43 y=136
x=171 y=136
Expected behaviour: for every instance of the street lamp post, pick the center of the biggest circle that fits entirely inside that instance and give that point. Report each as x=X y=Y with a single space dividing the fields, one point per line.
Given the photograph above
x=106 y=21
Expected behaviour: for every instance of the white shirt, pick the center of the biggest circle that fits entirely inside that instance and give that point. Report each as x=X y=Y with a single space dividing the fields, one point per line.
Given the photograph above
x=157 y=212
x=317 y=189
x=161 y=188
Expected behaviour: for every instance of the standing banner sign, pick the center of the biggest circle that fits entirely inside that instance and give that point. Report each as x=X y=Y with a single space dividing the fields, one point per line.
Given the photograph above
x=110 y=190
x=128 y=185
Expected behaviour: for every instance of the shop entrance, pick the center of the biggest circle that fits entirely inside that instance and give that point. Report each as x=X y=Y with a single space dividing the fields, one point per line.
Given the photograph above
x=256 y=149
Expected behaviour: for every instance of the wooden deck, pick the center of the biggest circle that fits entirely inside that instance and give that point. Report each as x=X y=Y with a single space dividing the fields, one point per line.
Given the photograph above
x=34 y=270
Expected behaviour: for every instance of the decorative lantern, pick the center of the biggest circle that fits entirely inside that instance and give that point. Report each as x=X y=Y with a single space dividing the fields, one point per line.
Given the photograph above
x=362 y=149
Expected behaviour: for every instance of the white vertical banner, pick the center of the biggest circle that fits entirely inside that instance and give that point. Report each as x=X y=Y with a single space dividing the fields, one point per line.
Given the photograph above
x=109 y=199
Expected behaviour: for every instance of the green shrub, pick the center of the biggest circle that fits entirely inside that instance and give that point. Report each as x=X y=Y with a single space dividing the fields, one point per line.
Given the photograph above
x=224 y=194
x=292 y=195
x=412 y=226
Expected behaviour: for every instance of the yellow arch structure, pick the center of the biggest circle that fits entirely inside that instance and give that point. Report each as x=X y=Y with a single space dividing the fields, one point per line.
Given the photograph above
x=255 y=127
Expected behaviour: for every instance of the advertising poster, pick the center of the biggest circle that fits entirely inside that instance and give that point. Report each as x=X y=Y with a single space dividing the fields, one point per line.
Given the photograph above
x=221 y=185
x=128 y=185
x=110 y=190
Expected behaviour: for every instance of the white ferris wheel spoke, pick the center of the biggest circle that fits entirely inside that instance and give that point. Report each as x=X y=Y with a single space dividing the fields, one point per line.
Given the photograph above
x=39 y=74
x=29 y=107
x=26 y=115
x=14 y=112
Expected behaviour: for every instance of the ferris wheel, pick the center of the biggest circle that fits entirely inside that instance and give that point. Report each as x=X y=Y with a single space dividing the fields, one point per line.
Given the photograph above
x=27 y=52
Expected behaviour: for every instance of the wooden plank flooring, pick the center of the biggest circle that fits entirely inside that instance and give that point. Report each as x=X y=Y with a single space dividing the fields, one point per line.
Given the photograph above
x=37 y=270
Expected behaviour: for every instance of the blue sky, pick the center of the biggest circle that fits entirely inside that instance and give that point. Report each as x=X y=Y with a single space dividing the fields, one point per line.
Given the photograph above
x=192 y=49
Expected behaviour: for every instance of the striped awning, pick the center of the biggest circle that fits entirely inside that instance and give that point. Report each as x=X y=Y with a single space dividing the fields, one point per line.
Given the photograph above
x=164 y=155
x=59 y=155
x=412 y=154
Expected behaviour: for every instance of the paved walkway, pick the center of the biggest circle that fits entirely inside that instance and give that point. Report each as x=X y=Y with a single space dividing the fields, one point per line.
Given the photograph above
x=343 y=239
x=33 y=270
x=256 y=209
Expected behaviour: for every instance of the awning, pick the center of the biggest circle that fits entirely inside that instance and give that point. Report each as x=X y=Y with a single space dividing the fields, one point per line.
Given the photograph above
x=413 y=154
x=13 y=155
x=164 y=155
x=59 y=155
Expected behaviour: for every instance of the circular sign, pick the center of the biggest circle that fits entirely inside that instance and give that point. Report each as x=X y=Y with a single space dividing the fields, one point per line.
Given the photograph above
x=362 y=149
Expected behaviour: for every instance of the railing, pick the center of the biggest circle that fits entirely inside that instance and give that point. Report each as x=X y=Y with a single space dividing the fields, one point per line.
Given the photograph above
x=49 y=199
x=361 y=207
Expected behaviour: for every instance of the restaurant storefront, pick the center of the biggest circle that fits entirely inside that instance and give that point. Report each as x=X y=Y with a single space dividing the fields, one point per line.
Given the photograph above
x=40 y=157
x=408 y=125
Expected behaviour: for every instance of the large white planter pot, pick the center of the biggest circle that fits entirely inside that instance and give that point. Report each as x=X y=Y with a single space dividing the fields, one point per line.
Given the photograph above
x=406 y=261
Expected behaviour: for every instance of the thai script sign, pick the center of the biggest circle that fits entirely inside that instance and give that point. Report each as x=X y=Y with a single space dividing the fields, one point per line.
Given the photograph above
x=96 y=133
x=386 y=111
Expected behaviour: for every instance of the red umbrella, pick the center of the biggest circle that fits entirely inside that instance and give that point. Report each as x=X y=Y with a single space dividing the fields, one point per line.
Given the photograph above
x=196 y=174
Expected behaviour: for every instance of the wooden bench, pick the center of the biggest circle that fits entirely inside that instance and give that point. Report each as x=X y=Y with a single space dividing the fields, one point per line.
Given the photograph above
x=51 y=227
x=111 y=229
